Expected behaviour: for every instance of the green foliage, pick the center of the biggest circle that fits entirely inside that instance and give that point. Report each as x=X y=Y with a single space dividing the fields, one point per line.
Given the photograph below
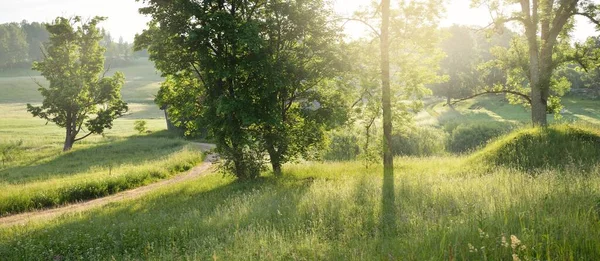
x=78 y=94
x=13 y=46
x=117 y=53
x=419 y=141
x=459 y=65
x=468 y=137
x=343 y=146
x=259 y=75
x=140 y=126
x=555 y=147
x=532 y=62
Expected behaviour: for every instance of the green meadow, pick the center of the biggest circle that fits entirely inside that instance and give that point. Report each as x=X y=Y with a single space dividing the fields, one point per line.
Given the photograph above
x=35 y=173
x=447 y=206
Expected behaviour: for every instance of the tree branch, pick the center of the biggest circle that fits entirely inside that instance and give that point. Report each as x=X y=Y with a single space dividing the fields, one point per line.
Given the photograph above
x=85 y=136
x=525 y=96
x=588 y=16
x=198 y=73
x=361 y=21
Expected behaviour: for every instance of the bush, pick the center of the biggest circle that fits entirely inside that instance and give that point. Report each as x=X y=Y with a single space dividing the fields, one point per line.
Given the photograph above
x=140 y=126
x=468 y=137
x=342 y=147
x=420 y=141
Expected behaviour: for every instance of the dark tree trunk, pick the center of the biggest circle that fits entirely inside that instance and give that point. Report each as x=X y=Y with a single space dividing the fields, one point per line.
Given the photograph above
x=275 y=158
x=276 y=167
x=69 y=139
x=388 y=158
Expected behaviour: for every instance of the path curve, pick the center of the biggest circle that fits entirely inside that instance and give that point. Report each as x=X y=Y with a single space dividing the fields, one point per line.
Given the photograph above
x=198 y=171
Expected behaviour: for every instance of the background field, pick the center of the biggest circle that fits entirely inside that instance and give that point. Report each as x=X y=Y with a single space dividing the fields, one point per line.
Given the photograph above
x=36 y=173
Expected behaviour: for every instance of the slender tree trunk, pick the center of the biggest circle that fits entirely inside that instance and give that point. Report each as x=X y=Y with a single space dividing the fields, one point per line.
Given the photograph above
x=388 y=159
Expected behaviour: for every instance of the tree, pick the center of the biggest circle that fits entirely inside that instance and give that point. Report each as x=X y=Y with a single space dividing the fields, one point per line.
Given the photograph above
x=13 y=45
x=408 y=60
x=79 y=95
x=547 y=24
x=262 y=73
x=36 y=36
x=388 y=156
x=460 y=64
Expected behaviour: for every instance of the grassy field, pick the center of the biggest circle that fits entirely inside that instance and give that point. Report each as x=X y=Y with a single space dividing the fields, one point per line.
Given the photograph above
x=434 y=208
x=429 y=209
x=35 y=173
x=496 y=109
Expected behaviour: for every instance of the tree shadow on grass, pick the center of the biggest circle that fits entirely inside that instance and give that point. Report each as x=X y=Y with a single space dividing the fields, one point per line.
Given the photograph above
x=388 y=226
x=208 y=219
x=108 y=154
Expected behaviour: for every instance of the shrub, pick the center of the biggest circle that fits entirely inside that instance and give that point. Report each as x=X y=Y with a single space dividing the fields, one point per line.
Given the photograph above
x=419 y=141
x=343 y=146
x=468 y=137
x=140 y=126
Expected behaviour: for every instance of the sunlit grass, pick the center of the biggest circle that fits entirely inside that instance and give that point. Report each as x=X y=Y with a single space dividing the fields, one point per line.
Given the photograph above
x=443 y=209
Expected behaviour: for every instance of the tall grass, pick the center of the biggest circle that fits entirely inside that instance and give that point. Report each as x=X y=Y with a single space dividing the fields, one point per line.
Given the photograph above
x=554 y=147
x=48 y=178
x=443 y=209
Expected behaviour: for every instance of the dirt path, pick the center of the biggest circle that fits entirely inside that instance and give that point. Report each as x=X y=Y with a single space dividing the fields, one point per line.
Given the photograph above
x=24 y=218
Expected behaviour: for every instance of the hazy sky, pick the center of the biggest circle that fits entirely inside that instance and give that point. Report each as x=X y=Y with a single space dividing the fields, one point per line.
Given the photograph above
x=125 y=21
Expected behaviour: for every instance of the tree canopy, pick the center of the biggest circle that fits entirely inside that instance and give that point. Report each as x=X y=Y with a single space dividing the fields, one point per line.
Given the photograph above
x=531 y=62
x=79 y=95
x=260 y=75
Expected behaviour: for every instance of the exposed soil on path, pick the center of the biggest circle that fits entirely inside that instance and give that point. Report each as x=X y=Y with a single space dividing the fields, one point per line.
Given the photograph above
x=198 y=171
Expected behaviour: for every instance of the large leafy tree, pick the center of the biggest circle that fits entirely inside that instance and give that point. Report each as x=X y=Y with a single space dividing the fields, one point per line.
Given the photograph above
x=78 y=95
x=260 y=74
x=546 y=24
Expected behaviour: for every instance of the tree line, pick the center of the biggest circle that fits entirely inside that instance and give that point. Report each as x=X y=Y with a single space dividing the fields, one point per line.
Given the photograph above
x=23 y=43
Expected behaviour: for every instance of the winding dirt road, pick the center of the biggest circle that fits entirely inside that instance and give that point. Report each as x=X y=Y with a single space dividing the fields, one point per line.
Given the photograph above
x=198 y=171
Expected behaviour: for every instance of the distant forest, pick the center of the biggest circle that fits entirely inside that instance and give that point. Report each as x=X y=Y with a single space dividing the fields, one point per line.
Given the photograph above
x=23 y=43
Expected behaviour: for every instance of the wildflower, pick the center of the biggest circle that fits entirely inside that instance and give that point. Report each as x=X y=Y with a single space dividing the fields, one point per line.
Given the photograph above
x=482 y=234
x=516 y=257
x=514 y=242
x=503 y=241
x=472 y=248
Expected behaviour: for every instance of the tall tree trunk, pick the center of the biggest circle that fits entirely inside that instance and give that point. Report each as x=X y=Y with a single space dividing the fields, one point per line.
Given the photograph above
x=538 y=104
x=388 y=159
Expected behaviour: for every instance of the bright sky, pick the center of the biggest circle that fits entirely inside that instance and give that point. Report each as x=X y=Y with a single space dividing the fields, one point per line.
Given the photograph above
x=125 y=21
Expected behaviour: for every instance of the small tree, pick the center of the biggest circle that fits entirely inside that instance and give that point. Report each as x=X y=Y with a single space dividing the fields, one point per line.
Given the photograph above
x=79 y=95
x=140 y=126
